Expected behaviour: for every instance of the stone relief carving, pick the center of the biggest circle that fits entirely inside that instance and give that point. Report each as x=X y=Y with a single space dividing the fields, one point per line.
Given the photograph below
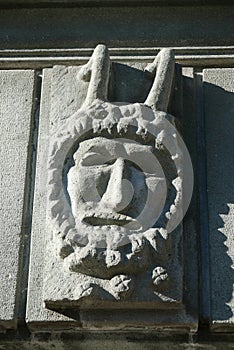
x=114 y=197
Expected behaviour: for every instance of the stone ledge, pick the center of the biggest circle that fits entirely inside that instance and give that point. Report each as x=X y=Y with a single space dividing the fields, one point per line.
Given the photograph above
x=220 y=56
x=123 y=26
x=68 y=3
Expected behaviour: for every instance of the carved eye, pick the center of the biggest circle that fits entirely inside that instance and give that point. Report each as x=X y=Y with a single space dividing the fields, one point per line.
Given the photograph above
x=96 y=159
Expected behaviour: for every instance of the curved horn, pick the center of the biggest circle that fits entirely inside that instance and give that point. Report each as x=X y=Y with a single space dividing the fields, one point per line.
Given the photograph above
x=163 y=66
x=98 y=69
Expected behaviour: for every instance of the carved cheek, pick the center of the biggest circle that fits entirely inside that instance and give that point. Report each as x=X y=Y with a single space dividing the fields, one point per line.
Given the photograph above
x=140 y=191
x=92 y=183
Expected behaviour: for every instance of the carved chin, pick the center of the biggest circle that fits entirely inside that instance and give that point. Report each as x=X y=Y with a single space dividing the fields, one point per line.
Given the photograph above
x=106 y=263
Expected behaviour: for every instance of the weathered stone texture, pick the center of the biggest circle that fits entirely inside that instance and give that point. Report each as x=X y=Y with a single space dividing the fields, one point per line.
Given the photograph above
x=16 y=104
x=36 y=313
x=126 y=26
x=59 y=101
x=219 y=117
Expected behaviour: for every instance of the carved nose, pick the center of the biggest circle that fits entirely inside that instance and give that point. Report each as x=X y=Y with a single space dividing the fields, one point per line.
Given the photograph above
x=119 y=190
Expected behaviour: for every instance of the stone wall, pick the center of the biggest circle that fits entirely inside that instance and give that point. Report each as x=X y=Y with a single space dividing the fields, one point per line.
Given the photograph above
x=43 y=44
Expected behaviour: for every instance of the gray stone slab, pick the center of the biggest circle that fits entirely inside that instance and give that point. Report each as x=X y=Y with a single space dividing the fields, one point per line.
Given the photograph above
x=126 y=26
x=219 y=118
x=9 y=3
x=16 y=104
x=110 y=341
x=36 y=313
x=59 y=100
x=191 y=245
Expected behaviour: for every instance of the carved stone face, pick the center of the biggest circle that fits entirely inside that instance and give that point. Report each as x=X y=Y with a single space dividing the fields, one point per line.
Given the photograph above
x=109 y=207
x=112 y=185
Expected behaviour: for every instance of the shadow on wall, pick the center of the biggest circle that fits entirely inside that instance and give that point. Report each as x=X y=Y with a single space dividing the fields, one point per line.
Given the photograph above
x=219 y=125
x=129 y=84
x=218 y=106
x=219 y=133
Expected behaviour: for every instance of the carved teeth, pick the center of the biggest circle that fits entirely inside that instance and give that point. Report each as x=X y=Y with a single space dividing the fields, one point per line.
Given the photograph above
x=103 y=219
x=113 y=216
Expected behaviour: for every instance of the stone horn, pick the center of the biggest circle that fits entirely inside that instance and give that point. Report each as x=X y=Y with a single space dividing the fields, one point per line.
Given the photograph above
x=163 y=70
x=97 y=72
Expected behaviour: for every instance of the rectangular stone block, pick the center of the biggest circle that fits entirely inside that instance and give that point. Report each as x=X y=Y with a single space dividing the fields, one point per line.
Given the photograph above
x=84 y=26
x=16 y=105
x=219 y=123
x=37 y=316
x=57 y=295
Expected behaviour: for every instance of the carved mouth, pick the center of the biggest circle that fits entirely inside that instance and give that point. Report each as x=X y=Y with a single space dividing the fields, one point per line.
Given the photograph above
x=108 y=220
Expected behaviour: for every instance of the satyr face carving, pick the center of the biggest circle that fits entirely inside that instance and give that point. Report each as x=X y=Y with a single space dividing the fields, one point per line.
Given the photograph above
x=111 y=188
x=110 y=200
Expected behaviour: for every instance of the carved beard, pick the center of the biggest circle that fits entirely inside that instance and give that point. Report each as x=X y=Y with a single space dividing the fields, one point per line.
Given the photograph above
x=106 y=262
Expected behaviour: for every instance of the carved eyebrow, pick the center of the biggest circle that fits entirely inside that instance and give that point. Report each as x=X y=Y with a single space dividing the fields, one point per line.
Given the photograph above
x=89 y=154
x=97 y=148
x=92 y=158
x=136 y=146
